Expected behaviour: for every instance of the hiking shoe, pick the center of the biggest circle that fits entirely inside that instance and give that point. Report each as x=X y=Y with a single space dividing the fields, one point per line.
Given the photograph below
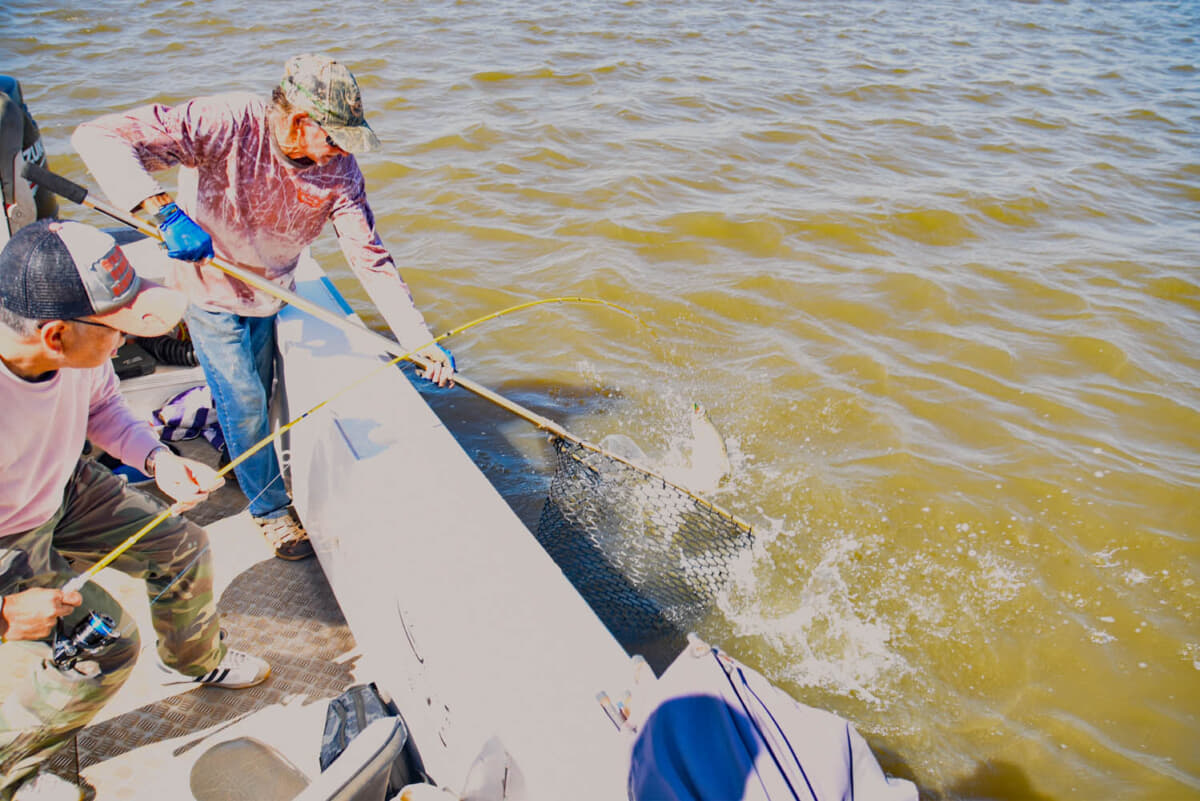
x=237 y=671
x=286 y=535
x=47 y=787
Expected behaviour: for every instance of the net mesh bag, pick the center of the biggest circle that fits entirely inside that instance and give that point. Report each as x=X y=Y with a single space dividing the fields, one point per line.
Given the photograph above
x=649 y=557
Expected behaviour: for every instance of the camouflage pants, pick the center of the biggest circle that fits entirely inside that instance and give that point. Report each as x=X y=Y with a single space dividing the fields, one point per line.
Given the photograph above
x=41 y=707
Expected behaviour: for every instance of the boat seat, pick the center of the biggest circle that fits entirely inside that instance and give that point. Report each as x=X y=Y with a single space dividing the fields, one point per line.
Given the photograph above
x=245 y=769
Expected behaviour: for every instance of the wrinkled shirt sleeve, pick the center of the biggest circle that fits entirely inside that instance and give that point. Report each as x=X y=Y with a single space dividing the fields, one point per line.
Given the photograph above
x=354 y=223
x=113 y=426
x=122 y=150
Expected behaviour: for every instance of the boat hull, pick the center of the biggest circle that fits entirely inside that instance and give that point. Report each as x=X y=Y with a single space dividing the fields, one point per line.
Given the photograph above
x=490 y=653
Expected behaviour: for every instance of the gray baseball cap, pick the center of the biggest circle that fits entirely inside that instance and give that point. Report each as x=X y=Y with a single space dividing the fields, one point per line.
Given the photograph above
x=326 y=90
x=65 y=270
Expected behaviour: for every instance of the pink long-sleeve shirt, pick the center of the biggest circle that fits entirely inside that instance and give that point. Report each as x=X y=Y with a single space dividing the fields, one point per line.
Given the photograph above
x=261 y=208
x=43 y=429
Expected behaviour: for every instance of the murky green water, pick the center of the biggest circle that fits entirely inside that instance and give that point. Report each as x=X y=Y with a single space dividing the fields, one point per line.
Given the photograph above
x=933 y=267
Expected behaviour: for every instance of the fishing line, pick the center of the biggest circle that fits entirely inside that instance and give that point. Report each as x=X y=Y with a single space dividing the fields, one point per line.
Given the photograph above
x=79 y=581
x=79 y=194
x=202 y=551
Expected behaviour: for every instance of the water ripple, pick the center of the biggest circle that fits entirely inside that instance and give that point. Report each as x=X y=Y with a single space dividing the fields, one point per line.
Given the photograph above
x=931 y=266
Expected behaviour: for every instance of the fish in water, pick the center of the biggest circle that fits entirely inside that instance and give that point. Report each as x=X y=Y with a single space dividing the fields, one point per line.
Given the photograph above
x=708 y=463
x=699 y=465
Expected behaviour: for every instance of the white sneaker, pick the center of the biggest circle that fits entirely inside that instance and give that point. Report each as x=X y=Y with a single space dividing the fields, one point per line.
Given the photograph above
x=47 y=787
x=237 y=671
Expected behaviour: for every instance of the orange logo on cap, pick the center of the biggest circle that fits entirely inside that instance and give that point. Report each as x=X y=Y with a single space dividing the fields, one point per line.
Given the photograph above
x=120 y=271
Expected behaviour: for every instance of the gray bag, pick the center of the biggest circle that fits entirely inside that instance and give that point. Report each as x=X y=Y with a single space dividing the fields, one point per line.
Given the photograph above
x=353 y=711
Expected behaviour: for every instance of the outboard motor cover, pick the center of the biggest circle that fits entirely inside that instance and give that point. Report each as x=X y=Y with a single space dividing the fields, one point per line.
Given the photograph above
x=20 y=140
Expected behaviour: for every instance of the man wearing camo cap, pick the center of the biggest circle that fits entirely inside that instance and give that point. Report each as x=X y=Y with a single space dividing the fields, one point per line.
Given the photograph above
x=261 y=180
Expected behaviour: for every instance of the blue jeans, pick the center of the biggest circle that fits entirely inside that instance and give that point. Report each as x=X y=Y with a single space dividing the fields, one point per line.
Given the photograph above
x=238 y=357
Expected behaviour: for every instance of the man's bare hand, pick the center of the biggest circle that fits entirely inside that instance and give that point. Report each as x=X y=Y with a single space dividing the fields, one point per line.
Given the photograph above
x=31 y=615
x=441 y=365
x=185 y=480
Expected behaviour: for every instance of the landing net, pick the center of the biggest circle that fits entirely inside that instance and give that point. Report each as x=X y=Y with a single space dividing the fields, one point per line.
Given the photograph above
x=648 y=556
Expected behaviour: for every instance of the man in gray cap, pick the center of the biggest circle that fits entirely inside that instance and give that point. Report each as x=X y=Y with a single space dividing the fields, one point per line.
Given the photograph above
x=68 y=295
x=260 y=182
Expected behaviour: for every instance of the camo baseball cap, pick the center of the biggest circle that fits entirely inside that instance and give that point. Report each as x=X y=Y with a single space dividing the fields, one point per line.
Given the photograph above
x=328 y=93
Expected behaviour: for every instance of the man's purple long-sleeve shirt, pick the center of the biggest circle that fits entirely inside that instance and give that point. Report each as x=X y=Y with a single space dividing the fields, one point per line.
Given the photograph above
x=261 y=208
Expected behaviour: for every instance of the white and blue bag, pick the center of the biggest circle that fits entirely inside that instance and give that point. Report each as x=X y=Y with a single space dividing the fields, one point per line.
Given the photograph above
x=188 y=415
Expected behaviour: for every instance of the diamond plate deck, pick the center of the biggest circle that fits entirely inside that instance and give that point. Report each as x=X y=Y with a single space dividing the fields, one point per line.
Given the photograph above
x=142 y=745
x=297 y=627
